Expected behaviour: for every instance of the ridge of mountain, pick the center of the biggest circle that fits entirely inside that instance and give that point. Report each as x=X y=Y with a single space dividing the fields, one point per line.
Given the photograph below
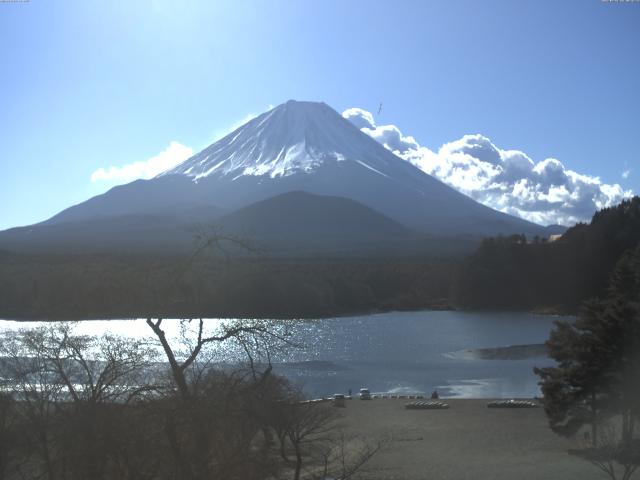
x=305 y=146
x=295 y=147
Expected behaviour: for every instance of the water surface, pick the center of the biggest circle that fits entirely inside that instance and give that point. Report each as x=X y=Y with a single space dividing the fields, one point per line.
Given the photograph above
x=419 y=351
x=397 y=352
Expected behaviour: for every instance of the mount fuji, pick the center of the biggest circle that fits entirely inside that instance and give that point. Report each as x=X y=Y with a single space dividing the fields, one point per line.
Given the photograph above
x=265 y=173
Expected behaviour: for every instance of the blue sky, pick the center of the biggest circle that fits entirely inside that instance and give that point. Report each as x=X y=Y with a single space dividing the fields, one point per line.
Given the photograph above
x=88 y=85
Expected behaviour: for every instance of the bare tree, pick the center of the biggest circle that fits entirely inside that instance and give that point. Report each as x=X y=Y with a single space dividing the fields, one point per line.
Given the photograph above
x=69 y=389
x=307 y=424
x=258 y=335
x=310 y=433
x=305 y=431
x=345 y=456
x=27 y=372
x=182 y=355
x=616 y=456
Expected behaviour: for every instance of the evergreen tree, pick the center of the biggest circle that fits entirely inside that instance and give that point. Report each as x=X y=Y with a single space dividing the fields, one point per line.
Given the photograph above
x=596 y=382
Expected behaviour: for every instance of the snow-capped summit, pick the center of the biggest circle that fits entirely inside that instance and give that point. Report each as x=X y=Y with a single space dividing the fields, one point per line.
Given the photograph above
x=296 y=147
x=295 y=137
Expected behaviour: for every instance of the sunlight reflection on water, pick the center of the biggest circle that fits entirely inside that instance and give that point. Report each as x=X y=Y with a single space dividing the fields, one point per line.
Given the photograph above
x=398 y=351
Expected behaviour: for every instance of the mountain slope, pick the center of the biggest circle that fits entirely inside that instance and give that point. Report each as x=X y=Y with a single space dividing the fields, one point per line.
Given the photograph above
x=305 y=146
x=295 y=147
x=131 y=233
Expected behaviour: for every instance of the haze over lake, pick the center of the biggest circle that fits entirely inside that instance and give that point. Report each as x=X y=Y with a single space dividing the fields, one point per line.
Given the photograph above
x=396 y=352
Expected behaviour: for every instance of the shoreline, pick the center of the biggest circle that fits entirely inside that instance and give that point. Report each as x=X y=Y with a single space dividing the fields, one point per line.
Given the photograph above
x=451 y=308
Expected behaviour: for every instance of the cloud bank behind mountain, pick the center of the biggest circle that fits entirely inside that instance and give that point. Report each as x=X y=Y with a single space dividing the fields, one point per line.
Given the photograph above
x=544 y=192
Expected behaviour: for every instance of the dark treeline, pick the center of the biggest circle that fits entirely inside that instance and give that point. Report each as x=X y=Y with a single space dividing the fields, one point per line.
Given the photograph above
x=504 y=273
x=513 y=273
x=103 y=286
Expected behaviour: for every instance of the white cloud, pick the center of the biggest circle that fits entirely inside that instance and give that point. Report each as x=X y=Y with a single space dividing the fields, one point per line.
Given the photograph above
x=626 y=173
x=392 y=138
x=388 y=135
x=545 y=192
x=171 y=156
x=359 y=117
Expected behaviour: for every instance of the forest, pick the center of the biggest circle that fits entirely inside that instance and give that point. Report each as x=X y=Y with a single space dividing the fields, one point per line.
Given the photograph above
x=520 y=274
x=504 y=273
x=68 y=287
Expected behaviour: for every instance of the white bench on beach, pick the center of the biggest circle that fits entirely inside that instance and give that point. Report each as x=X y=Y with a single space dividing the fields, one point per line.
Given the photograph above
x=512 y=404
x=427 y=405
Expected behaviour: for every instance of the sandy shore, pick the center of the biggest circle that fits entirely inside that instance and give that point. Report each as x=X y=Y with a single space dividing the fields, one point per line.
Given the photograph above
x=467 y=441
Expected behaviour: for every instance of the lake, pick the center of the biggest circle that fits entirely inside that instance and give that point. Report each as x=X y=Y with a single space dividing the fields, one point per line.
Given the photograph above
x=397 y=352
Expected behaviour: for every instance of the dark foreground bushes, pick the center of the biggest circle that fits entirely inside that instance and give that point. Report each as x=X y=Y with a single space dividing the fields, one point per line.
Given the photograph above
x=77 y=407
